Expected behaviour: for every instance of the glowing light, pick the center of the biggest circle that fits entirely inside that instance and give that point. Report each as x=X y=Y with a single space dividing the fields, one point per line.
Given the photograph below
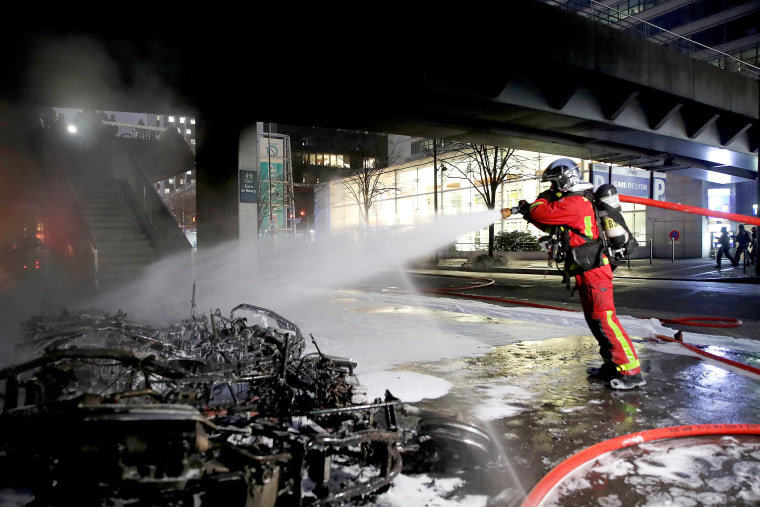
x=720 y=178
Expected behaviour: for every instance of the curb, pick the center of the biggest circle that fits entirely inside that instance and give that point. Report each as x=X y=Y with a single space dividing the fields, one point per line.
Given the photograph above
x=552 y=271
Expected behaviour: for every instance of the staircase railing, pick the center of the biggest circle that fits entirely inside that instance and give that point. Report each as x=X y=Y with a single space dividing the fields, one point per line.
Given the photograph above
x=67 y=215
x=155 y=218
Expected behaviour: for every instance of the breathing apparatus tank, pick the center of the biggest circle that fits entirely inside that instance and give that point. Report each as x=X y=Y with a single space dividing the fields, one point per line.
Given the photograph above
x=616 y=234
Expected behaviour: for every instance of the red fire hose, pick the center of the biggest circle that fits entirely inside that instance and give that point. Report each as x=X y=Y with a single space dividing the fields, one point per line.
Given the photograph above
x=697 y=350
x=744 y=219
x=550 y=481
x=704 y=321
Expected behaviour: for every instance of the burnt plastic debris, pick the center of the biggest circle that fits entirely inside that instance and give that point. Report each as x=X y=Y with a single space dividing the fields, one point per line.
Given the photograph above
x=100 y=410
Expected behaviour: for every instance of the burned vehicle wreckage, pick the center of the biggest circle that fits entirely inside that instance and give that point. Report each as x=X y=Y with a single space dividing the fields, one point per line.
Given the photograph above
x=100 y=410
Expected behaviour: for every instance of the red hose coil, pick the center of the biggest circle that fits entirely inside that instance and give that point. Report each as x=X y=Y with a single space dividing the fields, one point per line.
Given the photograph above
x=545 y=486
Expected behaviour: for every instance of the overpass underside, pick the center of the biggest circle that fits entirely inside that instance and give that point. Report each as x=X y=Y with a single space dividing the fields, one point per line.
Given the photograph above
x=529 y=76
x=593 y=117
x=576 y=87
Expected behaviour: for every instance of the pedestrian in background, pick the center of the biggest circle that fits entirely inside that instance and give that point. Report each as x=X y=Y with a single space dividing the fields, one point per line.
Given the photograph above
x=743 y=240
x=723 y=246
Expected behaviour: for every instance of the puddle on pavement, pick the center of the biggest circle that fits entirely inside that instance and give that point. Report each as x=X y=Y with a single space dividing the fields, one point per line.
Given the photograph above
x=524 y=357
x=522 y=362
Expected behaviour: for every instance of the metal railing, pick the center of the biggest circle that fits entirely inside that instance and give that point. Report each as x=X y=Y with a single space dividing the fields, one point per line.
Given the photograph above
x=608 y=15
x=144 y=132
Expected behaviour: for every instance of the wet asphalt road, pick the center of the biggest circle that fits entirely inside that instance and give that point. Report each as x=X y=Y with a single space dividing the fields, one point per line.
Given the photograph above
x=561 y=411
x=637 y=297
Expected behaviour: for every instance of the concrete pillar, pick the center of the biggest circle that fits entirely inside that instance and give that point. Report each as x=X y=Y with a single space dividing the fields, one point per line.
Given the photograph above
x=217 y=152
x=248 y=216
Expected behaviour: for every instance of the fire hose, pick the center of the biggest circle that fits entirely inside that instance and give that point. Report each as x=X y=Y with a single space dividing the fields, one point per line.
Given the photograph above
x=550 y=481
x=744 y=219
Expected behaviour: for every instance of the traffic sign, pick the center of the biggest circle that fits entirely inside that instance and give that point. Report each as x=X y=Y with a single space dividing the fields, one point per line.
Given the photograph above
x=674 y=235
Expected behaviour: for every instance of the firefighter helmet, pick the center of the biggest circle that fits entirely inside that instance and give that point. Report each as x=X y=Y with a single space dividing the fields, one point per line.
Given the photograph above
x=564 y=173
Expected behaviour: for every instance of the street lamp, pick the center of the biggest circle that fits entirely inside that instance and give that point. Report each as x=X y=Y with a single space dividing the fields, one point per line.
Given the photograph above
x=442 y=168
x=435 y=177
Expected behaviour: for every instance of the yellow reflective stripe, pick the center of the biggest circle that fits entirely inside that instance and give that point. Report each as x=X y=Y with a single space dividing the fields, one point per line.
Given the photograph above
x=588 y=224
x=633 y=363
x=630 y=366
x=534 y=205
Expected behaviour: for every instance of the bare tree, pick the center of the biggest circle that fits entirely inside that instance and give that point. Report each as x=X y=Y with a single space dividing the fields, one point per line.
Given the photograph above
x=485 y=168
x=365 y=185
x=366 y=180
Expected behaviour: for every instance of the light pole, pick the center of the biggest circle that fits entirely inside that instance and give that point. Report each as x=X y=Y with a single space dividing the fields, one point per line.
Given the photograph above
x=442 y=168
x=435 y=177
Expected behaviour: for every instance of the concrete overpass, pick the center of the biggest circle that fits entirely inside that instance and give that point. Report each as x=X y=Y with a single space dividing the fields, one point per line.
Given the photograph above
x=532 y=77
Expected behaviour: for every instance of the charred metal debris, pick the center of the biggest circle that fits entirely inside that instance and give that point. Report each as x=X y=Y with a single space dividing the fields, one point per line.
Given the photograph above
x=105 y=411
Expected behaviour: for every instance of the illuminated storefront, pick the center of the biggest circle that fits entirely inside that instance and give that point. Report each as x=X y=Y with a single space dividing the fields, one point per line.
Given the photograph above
x=411 y=196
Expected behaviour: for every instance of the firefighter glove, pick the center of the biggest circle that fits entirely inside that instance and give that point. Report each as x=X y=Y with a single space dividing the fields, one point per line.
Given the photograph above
x=523 y=207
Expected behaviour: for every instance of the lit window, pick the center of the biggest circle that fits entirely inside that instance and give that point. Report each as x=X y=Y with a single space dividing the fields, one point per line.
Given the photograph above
x=192 y=121
x=181 y=119
x=167 y=191
x=171 y=180
x=188 y=131
x=171 y=119
x=719 y=199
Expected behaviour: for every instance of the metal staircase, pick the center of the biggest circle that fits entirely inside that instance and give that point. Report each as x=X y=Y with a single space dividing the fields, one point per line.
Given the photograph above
x=123 y=250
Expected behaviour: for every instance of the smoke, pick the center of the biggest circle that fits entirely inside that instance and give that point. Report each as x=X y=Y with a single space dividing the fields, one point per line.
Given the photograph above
x=278 y=279
x=109 y=73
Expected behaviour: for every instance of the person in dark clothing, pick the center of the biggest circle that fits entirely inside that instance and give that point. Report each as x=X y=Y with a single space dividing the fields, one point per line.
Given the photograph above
x=753 y=256
x=569 y=204
x=742 y=239
x=723 y=248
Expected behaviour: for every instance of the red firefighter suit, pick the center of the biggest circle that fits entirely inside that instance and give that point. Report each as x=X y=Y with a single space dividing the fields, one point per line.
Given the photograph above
x=594 y=286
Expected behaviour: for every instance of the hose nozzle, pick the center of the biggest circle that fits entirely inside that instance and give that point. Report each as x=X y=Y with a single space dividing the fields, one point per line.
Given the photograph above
x=508 y=212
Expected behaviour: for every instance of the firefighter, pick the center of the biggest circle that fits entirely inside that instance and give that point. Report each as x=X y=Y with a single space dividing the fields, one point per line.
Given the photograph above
x=568 y=205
